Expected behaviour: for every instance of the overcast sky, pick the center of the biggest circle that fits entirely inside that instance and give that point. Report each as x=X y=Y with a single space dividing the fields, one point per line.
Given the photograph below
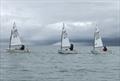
x=42 y=19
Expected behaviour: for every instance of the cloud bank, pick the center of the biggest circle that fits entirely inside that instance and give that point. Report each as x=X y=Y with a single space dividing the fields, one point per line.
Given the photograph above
x=41 y=20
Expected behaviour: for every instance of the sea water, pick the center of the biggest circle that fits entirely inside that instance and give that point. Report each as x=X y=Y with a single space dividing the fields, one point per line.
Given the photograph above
x=45 y=64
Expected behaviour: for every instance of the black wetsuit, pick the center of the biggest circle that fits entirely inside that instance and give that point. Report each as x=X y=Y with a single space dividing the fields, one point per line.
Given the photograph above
x=104 y=49
x=22 y=47
x=71 y=47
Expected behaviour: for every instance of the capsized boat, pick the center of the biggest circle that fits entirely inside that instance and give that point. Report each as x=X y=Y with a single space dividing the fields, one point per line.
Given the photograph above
x=66 y=46
x=15 y=44
x=98 y=47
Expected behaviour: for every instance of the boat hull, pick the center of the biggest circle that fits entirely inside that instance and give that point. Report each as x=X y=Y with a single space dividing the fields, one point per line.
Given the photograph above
x=67 y=52
x=101 y=52
x=17 y=51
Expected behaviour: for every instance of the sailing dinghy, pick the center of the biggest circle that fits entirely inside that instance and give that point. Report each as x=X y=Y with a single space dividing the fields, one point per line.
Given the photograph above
x=15 y=44
x=66 y=46
x=98 y=47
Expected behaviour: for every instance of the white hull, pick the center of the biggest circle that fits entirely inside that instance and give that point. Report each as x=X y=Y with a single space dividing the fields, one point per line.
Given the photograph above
x=67 y=51
x=101 y=52
x=17 y=51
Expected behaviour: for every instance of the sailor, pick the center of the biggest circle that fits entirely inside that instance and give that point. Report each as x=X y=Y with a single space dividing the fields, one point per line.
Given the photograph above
x=105 y=48
x=71 y=47
x=22 y=47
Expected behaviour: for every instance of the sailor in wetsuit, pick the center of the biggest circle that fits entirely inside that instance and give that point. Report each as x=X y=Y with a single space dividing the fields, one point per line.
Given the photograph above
x=105 y=48
x=71 y=47
x=22 y=47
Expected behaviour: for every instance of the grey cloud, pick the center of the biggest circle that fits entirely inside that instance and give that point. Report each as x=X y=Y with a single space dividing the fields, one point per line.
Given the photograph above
x=41 y=19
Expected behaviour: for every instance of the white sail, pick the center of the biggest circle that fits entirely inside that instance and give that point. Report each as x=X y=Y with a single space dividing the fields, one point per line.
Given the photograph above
x=97 y=41
x=65 y=40
x=15 y=39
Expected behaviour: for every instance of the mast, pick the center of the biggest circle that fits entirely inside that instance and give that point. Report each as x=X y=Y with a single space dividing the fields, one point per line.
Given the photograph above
x=62 y=35
x=94 y=39
x=10 y=40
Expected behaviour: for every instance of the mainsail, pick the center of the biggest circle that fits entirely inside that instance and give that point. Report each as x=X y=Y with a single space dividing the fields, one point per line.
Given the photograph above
x=15 y=39
x=97 y=41
x=65 y=41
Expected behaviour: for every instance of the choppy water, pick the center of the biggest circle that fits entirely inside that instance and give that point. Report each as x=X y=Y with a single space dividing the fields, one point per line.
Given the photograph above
x=45 y=64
